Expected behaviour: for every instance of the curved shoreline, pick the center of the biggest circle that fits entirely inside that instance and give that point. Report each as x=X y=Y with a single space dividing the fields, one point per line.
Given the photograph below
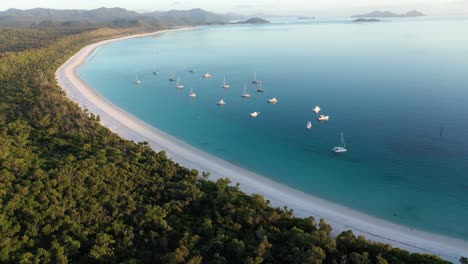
x=339 y=217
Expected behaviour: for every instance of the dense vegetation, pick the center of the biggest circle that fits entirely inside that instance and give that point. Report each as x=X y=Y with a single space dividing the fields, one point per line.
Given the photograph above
x=40 y=17
x=72 y=191
x=18 y=39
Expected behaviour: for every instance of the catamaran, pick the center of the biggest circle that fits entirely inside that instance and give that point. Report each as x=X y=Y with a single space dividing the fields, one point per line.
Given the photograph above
x=221 y=102
x=273 y=100
x=192 y=93
x=309 y=125
x=323 y=118
x=224 y=83
x=245 y=94
x=342 y=147
x=255 y=78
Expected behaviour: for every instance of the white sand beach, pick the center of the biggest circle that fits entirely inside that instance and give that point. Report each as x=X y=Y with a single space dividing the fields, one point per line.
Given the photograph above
x=341 y=218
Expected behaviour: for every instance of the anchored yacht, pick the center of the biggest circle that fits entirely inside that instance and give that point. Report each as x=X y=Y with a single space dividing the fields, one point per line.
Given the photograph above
x=323 y=118
x=192 y=93
x=254 y=114
x=273 y=100
x=342 y=147
x=316 y=109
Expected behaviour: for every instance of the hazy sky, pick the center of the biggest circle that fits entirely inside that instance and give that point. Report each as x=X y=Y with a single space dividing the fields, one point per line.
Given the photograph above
x=276 y=7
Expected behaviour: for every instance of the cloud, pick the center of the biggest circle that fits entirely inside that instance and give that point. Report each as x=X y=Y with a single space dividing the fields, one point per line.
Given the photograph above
x=459 y=2
x=245 y=6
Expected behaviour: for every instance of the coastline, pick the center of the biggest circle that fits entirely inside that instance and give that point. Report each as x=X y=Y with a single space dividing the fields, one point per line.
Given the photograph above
x=339 y=217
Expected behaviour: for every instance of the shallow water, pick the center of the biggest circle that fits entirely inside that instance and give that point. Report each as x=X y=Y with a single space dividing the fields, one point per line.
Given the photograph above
x=390 y=87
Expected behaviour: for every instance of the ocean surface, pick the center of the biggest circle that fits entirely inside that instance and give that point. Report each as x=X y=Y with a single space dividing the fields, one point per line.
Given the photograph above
x=397 y=89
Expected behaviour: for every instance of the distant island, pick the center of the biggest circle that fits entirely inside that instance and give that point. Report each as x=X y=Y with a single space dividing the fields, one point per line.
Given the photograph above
x=364 y=20
x=255 y=20
x=305 y=17
x=413 y=13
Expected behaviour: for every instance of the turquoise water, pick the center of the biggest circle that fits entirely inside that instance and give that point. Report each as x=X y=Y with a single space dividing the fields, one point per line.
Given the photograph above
x=390 y=87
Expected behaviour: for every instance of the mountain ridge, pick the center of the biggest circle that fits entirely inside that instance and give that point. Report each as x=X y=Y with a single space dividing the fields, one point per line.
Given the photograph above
x=381 y=14
x=34 y=17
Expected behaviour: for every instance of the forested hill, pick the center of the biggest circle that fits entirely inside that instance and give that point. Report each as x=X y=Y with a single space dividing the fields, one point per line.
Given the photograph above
x=72 y=191
x=40 y=17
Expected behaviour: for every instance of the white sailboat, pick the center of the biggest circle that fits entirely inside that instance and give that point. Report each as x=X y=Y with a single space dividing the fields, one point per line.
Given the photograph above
x=309 y=125
x=255 y=78
x=224 y=83
x=178 y=85
x=172 y=77
x=245 y=94
x=342 y=147
x=206 y=75
x=221 y=102
x=273 y=100
x=137 y=81
x=192 y=93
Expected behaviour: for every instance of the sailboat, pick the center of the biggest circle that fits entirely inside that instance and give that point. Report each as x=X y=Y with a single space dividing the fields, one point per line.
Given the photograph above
x=224 y=83
x=172 y=78
x=156 y=72
x=342 y=147
x=245 y=94
x=138 y=82
x=309 y=125
x=261 y=89
x=178 y=85
x=221 y=102
x=192 y=70
x=255 y=78
x=206 y=75
x=192 y=93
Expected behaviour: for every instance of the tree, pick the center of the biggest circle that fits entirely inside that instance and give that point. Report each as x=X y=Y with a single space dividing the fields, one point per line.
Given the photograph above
x=102 y=249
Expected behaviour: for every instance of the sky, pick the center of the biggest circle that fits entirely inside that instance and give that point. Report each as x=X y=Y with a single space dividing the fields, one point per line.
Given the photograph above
x=269 y=7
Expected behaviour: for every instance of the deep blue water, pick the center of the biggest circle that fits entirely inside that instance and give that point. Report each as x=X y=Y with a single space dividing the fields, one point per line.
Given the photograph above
x=390 y=87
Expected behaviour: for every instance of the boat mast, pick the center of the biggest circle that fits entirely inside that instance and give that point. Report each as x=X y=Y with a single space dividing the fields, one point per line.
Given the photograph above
x=342 y=140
